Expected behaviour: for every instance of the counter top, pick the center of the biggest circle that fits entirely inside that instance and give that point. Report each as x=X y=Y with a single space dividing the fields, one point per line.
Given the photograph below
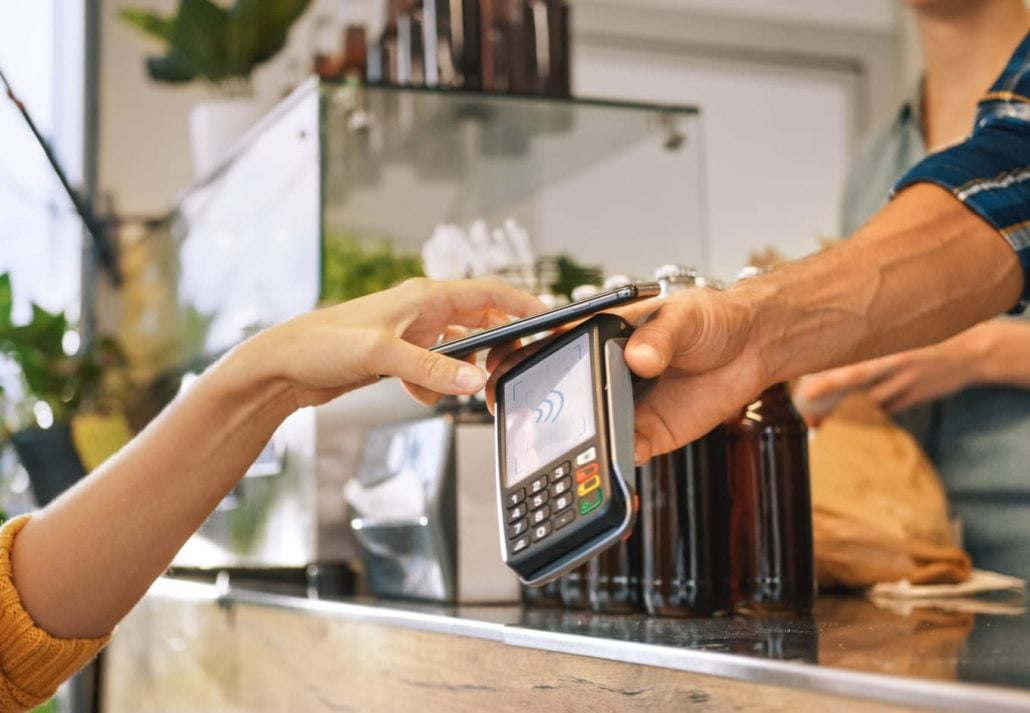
x=933 y=657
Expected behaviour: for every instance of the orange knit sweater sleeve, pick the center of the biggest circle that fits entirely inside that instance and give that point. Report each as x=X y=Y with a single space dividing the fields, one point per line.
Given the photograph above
x=32 y=662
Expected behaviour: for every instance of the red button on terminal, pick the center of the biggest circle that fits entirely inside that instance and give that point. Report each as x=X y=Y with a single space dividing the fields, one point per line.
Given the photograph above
x=586 y=472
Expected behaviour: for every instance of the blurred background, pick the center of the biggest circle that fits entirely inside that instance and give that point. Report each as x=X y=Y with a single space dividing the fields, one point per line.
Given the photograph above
x=785 y=87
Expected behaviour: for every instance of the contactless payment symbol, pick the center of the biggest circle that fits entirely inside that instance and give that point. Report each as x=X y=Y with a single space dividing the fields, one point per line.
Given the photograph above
x=550 y=408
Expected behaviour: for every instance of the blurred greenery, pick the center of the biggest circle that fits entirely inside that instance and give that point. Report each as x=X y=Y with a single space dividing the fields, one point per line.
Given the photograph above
x=48 y=707
x=218 y=43
x=569 y=274
x=352 y=268
x=67 y=383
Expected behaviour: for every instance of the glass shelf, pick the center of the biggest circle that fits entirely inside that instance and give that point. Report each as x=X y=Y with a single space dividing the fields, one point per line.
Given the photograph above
x=615 y=185
x=610 y=184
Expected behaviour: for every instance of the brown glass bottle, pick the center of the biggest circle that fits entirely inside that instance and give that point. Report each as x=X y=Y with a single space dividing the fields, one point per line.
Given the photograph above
x=685 y=513
x=573 y=586
x=771 y=564
x=388 y=69
x=547 y=596
x=685 y=520
x=613 y=577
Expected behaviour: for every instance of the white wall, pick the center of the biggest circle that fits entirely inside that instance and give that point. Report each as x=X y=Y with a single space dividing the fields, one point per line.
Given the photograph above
x=875 y=15
x=785 y=91
x=776 y=142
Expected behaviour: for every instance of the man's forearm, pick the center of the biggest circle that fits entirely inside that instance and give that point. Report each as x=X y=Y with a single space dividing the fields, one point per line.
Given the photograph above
x=923 y=269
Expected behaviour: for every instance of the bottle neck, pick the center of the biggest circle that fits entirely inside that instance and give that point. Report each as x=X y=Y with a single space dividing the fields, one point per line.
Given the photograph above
x=773 y=406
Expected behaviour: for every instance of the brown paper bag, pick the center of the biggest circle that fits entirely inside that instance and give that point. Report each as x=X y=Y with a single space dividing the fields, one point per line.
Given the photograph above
x=878 y=508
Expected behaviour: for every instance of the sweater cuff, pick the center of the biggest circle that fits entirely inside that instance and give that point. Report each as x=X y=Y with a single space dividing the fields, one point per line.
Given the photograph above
x=32 y=662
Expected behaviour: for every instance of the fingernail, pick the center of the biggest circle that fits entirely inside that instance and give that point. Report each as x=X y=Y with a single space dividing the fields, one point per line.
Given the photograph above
x=648 y=353
x=469 y=377
x=638 y=455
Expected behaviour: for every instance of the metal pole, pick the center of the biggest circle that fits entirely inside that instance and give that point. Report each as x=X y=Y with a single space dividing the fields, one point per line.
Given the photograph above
x=96 y=228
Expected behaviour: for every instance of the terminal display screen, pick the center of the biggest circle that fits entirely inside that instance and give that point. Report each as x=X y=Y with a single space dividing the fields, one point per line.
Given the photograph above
x=549 y=410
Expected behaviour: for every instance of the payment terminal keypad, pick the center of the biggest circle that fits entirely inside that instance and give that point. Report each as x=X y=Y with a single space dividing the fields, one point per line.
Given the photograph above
x=554 y=500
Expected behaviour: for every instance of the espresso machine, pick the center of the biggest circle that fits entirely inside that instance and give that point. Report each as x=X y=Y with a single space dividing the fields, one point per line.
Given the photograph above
x=423 y=511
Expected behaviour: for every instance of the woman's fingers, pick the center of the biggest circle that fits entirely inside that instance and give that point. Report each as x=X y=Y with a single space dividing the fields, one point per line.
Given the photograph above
x=471 y=297
x=422 y=394
x=428 y=396
x=427 y=369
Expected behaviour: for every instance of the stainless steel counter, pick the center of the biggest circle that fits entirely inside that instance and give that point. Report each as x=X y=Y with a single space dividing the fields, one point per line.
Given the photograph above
x=848 y=647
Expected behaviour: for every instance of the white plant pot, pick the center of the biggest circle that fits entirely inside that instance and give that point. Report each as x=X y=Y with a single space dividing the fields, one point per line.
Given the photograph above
x=215 y=126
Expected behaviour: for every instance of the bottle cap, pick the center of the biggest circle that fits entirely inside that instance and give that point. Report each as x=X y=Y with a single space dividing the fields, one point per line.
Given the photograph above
x=581 y=292
x=613 y=281
x=675 y=273
x=749 y=271
x=674 y=278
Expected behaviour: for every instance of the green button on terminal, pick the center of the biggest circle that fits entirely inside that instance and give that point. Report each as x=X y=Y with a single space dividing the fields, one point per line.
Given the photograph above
x=586 y=504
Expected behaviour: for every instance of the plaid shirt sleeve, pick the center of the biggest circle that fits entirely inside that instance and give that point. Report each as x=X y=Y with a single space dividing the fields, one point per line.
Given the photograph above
x=990 y=171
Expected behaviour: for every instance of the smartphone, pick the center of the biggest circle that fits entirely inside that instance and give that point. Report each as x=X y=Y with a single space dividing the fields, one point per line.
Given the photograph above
x=547 y=320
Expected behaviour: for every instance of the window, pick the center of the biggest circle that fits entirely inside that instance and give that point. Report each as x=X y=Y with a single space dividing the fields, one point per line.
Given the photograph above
x=42 y=54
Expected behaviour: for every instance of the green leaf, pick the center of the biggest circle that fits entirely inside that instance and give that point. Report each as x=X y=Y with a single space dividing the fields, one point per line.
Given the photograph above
x=149 y=23
x=45 y=332
x=205 y=40
x=6 y=301
x=259 y=28
x=199 y=38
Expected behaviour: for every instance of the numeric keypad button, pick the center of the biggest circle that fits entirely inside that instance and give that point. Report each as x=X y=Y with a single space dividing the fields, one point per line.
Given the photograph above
x=517 y=528
x=515 y=497
x=517 y=512
x=538 y=500
x=540 y=531
x=538 y=485
x=560 y=487
x=564 y=519
x=561 y=471
x=561 y=502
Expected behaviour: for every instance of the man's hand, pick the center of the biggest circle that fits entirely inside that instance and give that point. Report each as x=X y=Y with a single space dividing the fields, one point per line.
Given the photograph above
x=903 y=380
x=700 y=342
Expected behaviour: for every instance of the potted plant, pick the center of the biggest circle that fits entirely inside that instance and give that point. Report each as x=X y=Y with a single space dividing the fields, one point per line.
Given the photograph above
x=61 y=411
x=222 y=45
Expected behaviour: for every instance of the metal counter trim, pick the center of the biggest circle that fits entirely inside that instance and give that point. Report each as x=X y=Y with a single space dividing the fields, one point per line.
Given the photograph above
x=928 y=693
x=812 y=677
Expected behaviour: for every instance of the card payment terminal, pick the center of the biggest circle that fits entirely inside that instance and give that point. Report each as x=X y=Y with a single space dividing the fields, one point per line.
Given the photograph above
x=567 y=487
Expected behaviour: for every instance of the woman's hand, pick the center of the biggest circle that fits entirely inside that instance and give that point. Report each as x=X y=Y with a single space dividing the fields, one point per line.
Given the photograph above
x=900 y=381
x=333 y=350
